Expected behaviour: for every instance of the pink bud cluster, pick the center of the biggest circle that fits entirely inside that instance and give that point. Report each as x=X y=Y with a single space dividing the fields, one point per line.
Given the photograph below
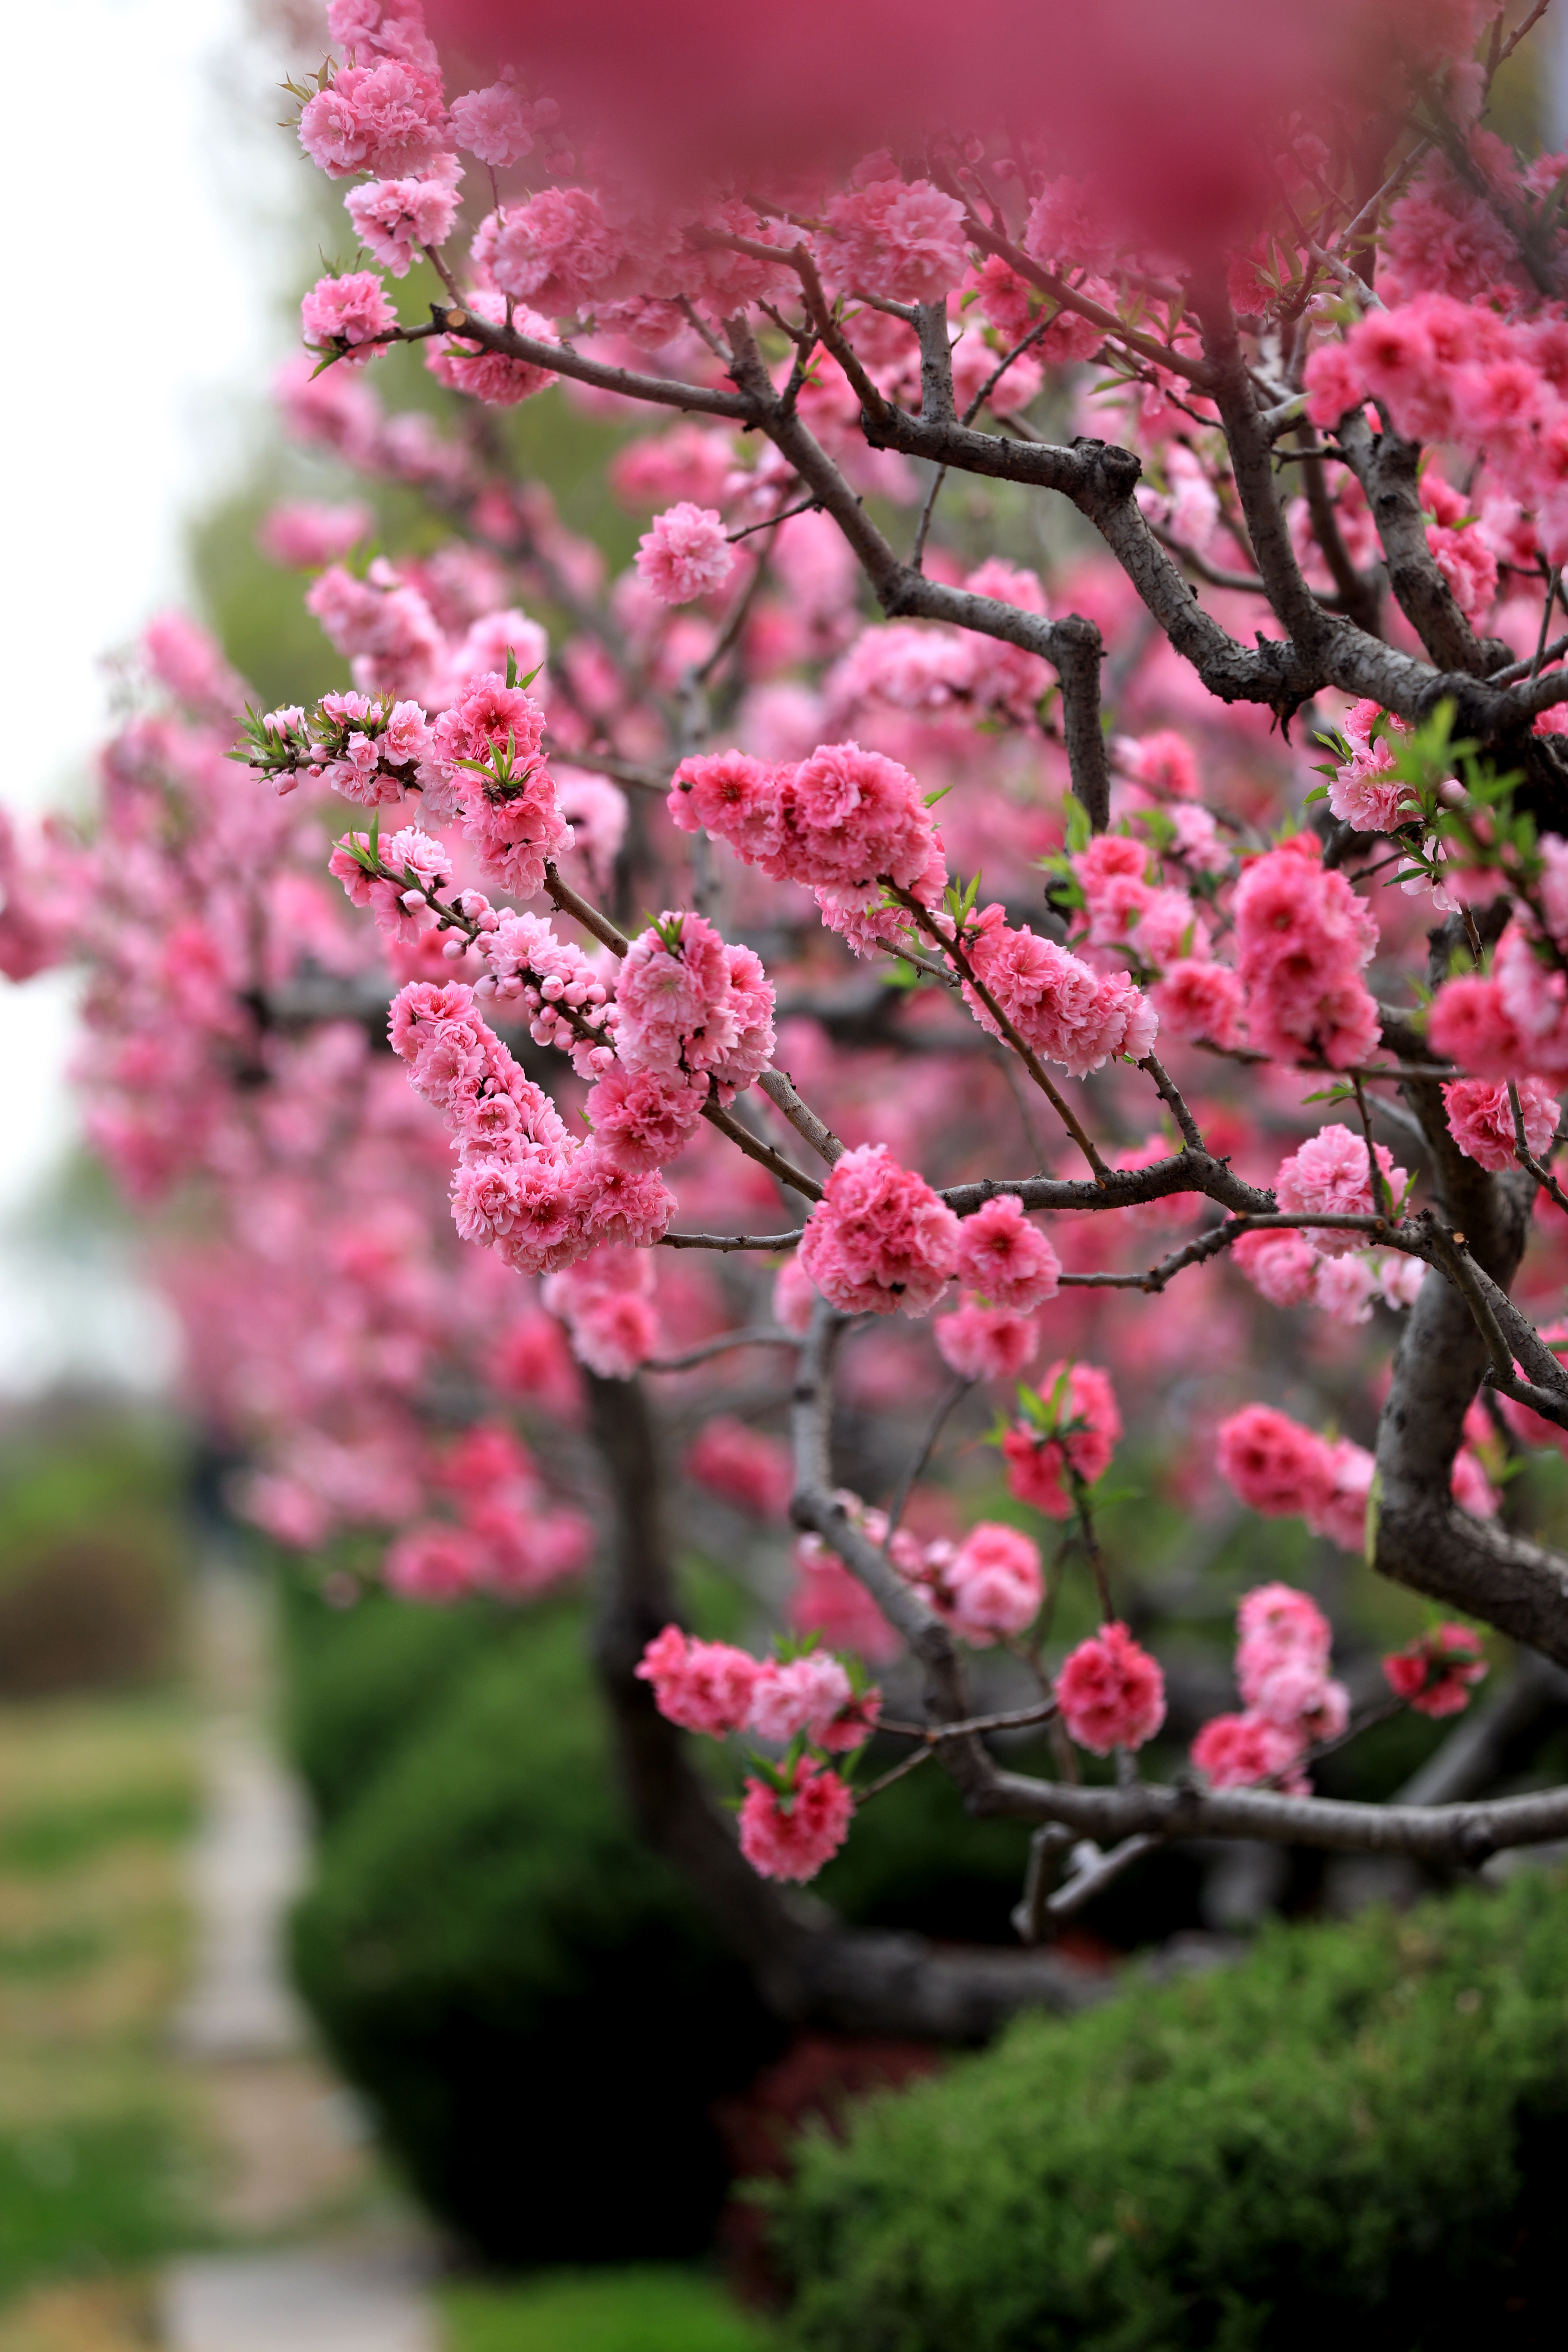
x=366 y=747
x=844 y=822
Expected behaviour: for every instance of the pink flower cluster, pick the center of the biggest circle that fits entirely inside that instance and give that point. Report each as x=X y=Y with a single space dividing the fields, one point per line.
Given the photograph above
x=790 y=1833
x=417 y=866
x=1303 y=936
x=1111 y=1693
x=897 y=239
x=308 y=537
x=1070 y=1436
x=1290 y=1700
x=843 y=822
x=684 y=553
x=394 y=216
x=384 y=117
x=1481 y=1123
x=1064 y=1011
x=1364 y=791
x=793 y=1821
x=879 y=1239
x=523 y=1185
x=553 y=978
x=988 y=1588
x=348 y=318
x=499 y=378
x=497 y=124
x=742 y=1465
x=486 y=752
x=605 y=1301
x=1331 y=1175
x=1455 y=371
x=1159 y=925
x=1284 y=1471
x=507 y=1539
x=1436 y=1673
x=366 y=747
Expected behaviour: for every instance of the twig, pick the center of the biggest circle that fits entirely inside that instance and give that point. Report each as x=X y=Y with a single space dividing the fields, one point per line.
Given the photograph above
x=1542 y=1173
x=947 y=1405
x=754 y=1335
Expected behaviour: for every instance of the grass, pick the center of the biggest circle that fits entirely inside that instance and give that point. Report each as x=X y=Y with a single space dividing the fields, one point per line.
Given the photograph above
x=649 y=2309
x=97 y=1804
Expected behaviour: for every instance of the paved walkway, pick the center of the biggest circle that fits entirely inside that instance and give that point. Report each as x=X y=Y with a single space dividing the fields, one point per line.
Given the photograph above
x=289 y=2142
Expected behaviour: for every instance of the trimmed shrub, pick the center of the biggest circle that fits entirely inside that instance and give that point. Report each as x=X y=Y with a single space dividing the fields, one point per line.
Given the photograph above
x=1358 y=2134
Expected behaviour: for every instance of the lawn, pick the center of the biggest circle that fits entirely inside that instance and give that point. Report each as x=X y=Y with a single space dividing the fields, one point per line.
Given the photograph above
x=97 y=1804
x=650 y=2308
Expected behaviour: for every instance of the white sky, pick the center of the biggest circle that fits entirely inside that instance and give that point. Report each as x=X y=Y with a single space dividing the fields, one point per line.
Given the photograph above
x=161 y=196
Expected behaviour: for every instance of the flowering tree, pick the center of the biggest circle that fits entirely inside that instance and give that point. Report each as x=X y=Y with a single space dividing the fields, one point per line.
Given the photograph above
x=1307 y=420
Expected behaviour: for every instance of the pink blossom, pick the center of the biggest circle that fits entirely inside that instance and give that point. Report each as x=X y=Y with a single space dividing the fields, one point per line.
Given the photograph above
x=989 y=1587
x=493 y=376
x=879 y=1239
x=394 y=216
x=690 y=462
x=308 y=538
x=1330 y=1175
x=1438 y=1671
x=493 y=124
x=1470 y=1487
x=1343 y=1287
x=986 y=1343
x=1480 y=1118
x=832 y=1603
x=1196 y=1000
x=558 y=252
x=1282 y=1267
x=701 y=1685
x=1006 y=1258
x=742 y=1465
x=1275 y=1466
x=1302 y=936
x=385 y=118
x=645 y=1118
x=1062 y=1009
x=1334 y=385
x=510 y=810
x=1365 y=792
x=1277 y=1625
x=903 y=240
x=737 y=799
x=350 y=316
x=684 y=553
x=791 y=1835
x=1534 y=996
x=1236 y=1751
x=1078 y=1436
x=432 y=1563
x=1111 y=1692
x=794 y=1297
x=689 y=1000
x=1469 y=1024
x=814 y=1696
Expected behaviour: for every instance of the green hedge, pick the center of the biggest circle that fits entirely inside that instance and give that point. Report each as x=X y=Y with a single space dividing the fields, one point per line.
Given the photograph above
x=1358 y=2135
x=522 y=1991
